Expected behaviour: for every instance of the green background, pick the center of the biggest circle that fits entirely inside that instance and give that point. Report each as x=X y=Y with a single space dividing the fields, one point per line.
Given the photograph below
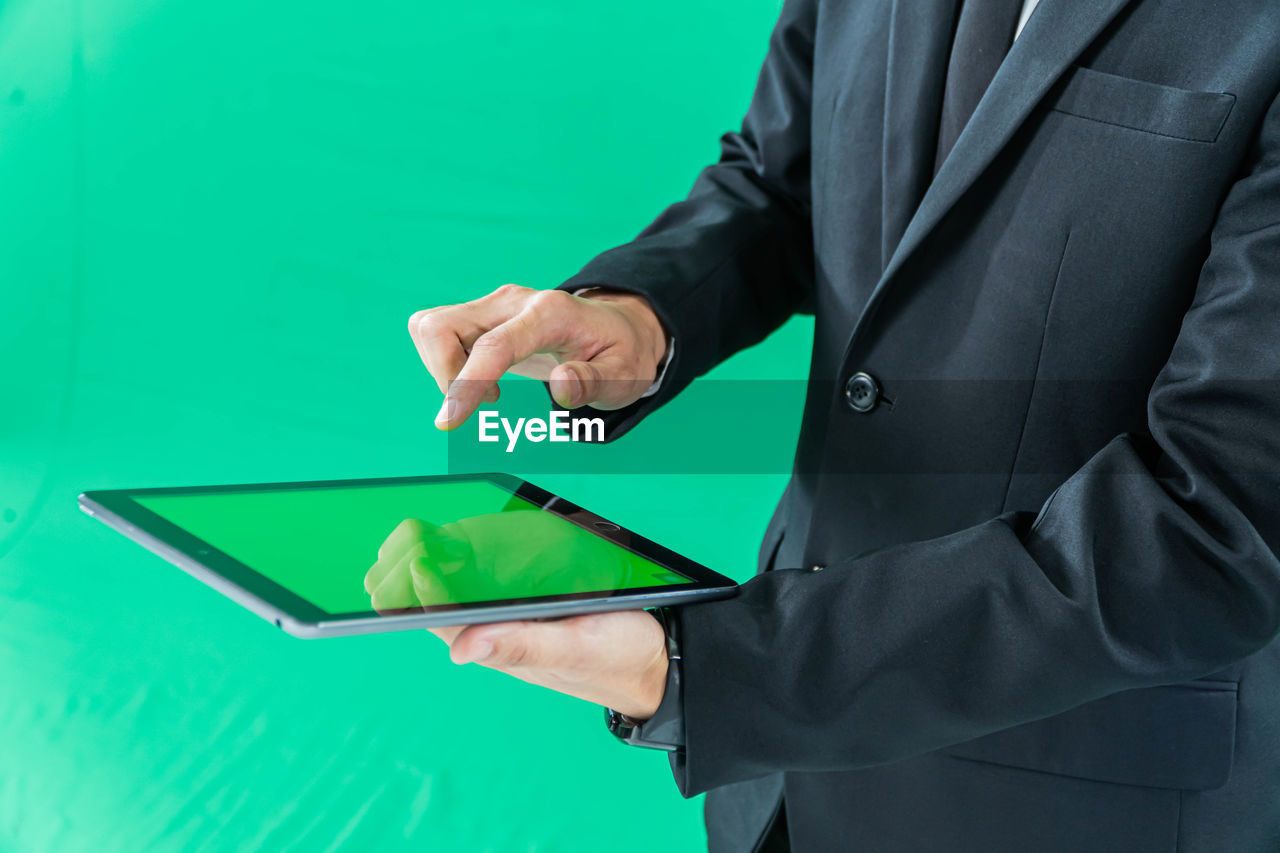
x=217 y=217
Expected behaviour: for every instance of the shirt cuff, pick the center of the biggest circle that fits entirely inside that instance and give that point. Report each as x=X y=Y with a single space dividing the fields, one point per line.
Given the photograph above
x=666 y=726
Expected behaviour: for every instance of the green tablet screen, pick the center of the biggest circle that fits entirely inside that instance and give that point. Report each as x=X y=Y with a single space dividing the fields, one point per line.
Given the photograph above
x=386 y=548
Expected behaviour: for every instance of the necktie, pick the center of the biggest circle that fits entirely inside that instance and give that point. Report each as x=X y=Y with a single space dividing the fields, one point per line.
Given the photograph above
x=984 y=32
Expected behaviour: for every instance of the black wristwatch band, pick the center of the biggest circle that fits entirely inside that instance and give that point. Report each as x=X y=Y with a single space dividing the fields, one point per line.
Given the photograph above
x=665 y=729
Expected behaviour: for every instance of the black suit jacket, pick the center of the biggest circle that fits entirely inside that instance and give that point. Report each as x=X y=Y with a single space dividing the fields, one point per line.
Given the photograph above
x=1051 y=584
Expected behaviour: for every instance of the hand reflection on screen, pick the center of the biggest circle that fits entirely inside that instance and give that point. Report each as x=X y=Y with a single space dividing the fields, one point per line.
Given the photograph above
x=513 y=554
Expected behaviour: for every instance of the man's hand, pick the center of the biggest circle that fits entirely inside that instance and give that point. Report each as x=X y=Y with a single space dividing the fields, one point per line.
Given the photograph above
x=614 y=659
x=601 y=349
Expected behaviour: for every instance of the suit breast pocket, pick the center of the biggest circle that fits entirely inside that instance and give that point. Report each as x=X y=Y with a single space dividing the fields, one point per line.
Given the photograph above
x=1142 y=106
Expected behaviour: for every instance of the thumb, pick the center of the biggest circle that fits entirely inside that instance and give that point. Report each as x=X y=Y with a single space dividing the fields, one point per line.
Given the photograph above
x=607 y=383
x=506 y=645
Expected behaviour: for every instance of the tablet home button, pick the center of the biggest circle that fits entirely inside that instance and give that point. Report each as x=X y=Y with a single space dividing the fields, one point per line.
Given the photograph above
x=606 y=527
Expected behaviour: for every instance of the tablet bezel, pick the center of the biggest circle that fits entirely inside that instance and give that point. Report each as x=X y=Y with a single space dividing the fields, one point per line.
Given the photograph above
x=275 y=603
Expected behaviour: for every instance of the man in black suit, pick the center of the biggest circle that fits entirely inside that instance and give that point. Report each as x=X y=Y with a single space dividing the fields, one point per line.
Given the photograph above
x=1039 y=466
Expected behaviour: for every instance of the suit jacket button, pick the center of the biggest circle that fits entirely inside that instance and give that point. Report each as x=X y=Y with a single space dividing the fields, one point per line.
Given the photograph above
x=862 y=392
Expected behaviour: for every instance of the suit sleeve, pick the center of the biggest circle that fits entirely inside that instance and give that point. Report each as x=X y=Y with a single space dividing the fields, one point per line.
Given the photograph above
x=730 y=263
x=1153 y=564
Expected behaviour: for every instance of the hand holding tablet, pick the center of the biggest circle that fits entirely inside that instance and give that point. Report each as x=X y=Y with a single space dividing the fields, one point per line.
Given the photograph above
x=478 y=559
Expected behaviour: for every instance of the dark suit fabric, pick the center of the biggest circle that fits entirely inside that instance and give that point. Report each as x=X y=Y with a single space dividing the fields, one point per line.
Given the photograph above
x=1051 y=593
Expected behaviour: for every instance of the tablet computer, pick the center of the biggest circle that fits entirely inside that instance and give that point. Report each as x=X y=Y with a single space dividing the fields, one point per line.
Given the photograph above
x=328 y=558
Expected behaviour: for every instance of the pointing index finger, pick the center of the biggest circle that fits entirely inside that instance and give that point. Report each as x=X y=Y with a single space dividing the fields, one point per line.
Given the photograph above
x=492 y=354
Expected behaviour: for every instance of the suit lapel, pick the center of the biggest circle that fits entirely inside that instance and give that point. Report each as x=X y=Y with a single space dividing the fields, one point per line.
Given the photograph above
x=1054 y=36
x=920 y=34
